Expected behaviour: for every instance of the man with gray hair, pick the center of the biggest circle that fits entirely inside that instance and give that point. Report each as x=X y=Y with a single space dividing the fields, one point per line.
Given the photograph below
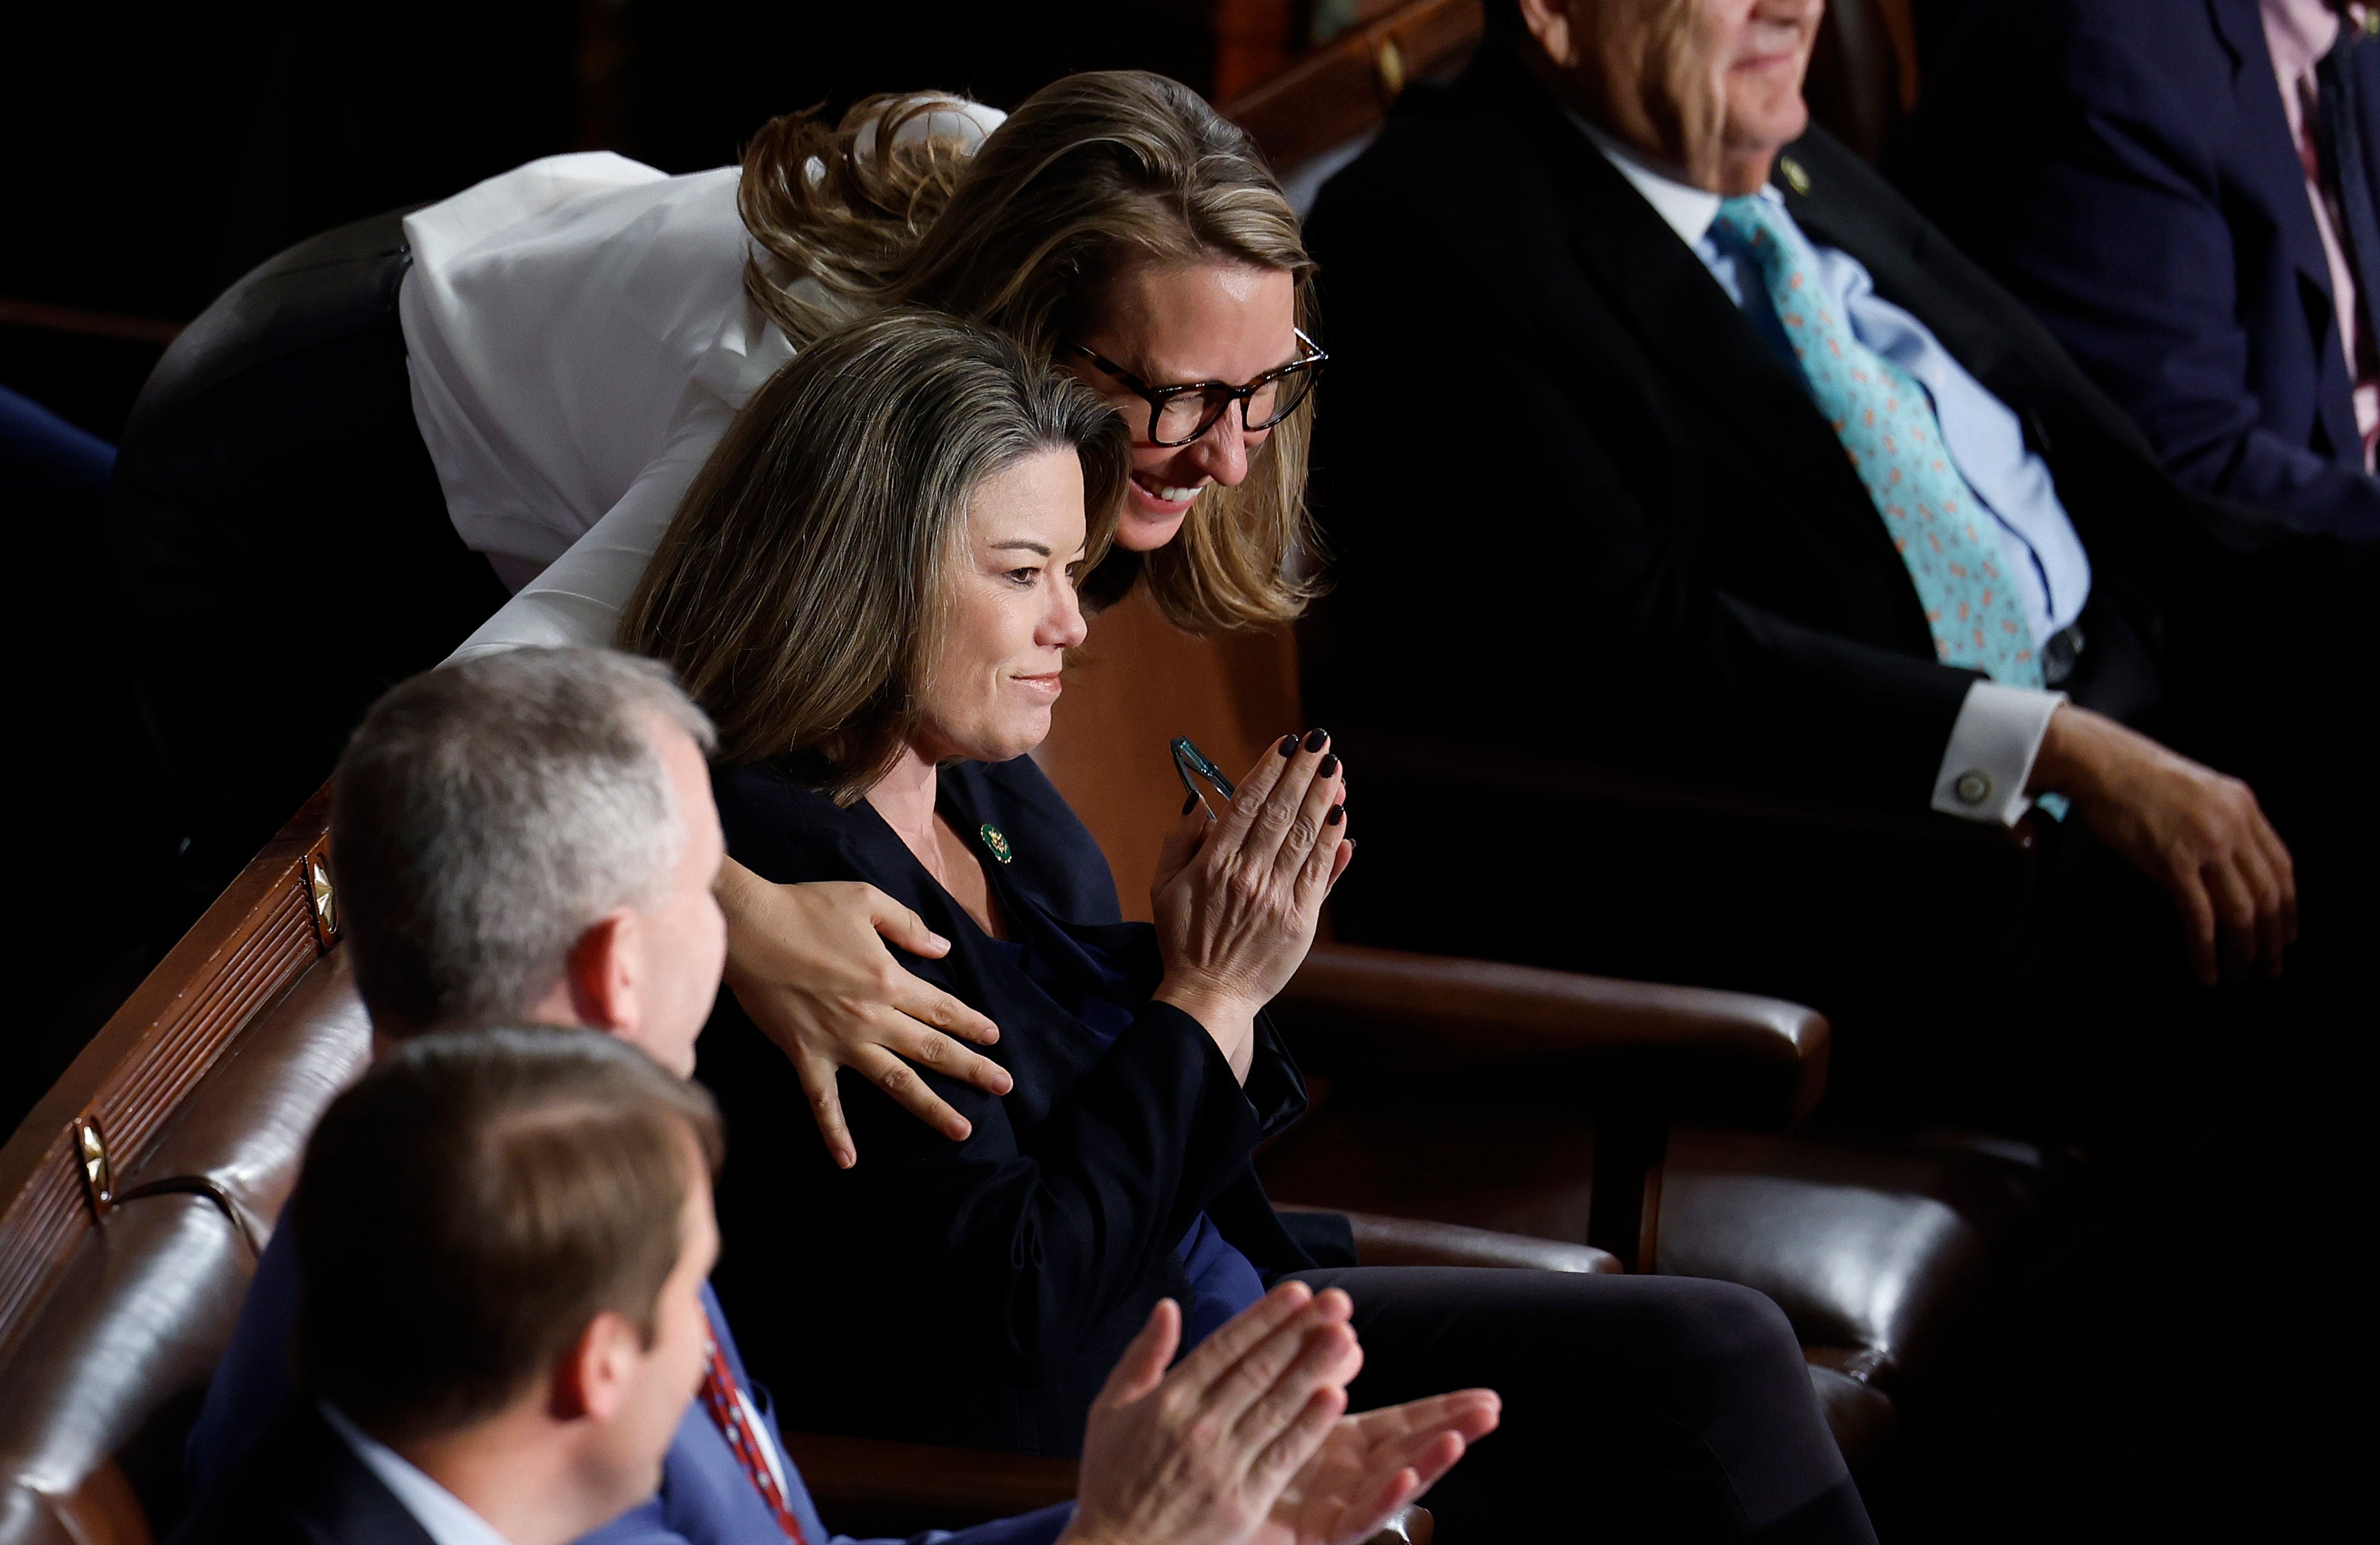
x=530 y=838
x=508 y=832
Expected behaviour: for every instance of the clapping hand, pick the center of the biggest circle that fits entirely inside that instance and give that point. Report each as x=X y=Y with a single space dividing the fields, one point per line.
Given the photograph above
x=1238 y=899
x=1245 y=1443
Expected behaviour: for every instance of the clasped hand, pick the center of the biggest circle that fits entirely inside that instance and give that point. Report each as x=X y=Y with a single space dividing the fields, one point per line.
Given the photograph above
x=1238 y=898
x=1246 y=1442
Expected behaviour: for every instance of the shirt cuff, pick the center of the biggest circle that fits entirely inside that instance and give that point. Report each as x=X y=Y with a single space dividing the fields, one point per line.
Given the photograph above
x=1991 y=750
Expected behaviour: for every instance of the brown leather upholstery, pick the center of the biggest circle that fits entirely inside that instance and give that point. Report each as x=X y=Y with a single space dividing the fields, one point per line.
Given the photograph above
x=1386 y=1241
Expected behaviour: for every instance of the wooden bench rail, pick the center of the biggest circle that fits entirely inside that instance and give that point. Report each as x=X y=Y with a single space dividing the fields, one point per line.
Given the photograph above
x=103 y=1117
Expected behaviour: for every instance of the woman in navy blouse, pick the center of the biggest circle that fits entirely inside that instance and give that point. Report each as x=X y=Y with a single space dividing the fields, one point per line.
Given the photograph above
x=871 y=588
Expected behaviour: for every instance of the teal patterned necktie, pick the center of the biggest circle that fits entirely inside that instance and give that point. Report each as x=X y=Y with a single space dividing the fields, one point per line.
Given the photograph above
x=1886 y=424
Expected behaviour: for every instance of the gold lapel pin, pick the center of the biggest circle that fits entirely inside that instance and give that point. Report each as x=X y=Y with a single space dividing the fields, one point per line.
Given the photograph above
x=1795 y=179
x=994 y=840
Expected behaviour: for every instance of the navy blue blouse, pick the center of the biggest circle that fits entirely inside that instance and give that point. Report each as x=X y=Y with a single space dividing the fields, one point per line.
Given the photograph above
x=1096 y=988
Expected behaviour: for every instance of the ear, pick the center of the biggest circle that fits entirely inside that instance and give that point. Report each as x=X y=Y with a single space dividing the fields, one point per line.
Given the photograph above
x=592 y=1376
x=1549 y=22
x=604 y=972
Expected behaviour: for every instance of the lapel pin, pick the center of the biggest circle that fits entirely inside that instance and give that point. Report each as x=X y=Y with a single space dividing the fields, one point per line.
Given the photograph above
x=994 y=840
x=1795 y=179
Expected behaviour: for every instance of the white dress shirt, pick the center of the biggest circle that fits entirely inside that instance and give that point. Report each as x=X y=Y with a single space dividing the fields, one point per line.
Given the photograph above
x=578 y=339
x=1998 y=730
x=443 y=1515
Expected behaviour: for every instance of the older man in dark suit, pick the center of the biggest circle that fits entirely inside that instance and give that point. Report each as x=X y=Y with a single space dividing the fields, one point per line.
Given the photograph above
x=1781 y=489
x=2184 y=191
x=1661 y=429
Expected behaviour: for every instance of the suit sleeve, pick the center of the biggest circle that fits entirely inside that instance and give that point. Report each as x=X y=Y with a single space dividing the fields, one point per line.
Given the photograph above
x=1494 y=560
x=2122 y=242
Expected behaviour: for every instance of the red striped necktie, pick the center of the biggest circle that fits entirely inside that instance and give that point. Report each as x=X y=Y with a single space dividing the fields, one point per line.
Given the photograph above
x=729 y=1414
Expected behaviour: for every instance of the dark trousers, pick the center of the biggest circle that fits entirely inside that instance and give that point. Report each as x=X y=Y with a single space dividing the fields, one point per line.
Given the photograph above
x=282 y=546
x=1635 y=1407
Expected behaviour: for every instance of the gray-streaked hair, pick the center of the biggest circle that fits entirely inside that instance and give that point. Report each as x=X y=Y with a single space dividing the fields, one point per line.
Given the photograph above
x=800 y=591
x=487 y=814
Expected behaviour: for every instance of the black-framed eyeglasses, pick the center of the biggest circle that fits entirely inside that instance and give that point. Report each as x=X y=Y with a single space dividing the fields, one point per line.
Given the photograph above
x=1190 y=763
x=1178 y=414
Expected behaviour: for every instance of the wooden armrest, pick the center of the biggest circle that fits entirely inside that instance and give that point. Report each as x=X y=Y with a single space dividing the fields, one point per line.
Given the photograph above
x=876 y=1486
x=1353 y=1012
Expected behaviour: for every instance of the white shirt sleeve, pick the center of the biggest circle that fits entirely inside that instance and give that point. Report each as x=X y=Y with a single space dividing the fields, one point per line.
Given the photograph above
x=1990 y=755
x=579 y=596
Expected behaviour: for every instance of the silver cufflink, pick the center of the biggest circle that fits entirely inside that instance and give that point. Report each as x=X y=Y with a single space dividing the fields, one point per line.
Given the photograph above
x=1975 y=786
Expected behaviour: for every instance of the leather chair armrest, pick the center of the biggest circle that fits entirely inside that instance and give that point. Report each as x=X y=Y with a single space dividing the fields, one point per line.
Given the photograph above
x=1683 y=1052
x=874 y=1485
x=1385 y=1241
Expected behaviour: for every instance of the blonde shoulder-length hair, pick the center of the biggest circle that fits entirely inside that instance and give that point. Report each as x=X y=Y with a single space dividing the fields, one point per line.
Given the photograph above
x=1093 y=174
x=800 y=591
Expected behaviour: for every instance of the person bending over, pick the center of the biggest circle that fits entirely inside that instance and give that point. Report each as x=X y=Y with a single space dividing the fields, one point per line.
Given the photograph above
x=503 y=1237
x=522 y=380
x=873 y=589
x=530 y=838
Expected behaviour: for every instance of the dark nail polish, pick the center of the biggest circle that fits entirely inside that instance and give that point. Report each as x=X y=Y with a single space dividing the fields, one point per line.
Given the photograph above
x=1338 y=814
x=1188 y=804
x=1289 y=746
x=1329 y=766
x=1315 y=739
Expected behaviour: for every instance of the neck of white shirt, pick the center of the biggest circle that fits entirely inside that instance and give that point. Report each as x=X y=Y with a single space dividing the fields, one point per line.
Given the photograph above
x=1685 y=208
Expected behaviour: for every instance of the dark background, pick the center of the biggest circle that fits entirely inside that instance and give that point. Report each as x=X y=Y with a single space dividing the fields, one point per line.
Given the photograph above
x=159 y=151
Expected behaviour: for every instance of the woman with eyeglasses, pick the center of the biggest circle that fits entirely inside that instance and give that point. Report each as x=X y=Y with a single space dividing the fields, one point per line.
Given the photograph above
x=871 y=589
x=520 y=384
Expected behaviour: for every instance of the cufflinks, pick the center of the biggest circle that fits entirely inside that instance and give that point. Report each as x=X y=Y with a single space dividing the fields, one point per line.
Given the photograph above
x=1975 y=786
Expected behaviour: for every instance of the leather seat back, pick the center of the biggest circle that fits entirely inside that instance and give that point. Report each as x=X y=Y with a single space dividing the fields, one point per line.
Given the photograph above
x=139 y=1192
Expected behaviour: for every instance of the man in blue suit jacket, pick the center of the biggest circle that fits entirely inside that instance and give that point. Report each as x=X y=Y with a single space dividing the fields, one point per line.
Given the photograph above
x=531 y=838
x=2198 y=232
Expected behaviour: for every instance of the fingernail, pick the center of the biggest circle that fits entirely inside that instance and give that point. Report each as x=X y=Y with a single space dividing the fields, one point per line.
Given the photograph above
x=1187 y=803
x=1338 y=814
x=1287 y=745
x=938 y=941
x=1315 y=739
x=1329 y=766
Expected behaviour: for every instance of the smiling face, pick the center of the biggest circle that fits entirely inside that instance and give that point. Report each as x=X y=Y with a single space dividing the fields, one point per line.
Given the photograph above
x=1010 y=614
x=1169 y=325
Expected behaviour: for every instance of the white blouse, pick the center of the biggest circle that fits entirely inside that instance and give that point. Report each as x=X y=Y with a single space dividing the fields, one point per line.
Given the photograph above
x=578 y=339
